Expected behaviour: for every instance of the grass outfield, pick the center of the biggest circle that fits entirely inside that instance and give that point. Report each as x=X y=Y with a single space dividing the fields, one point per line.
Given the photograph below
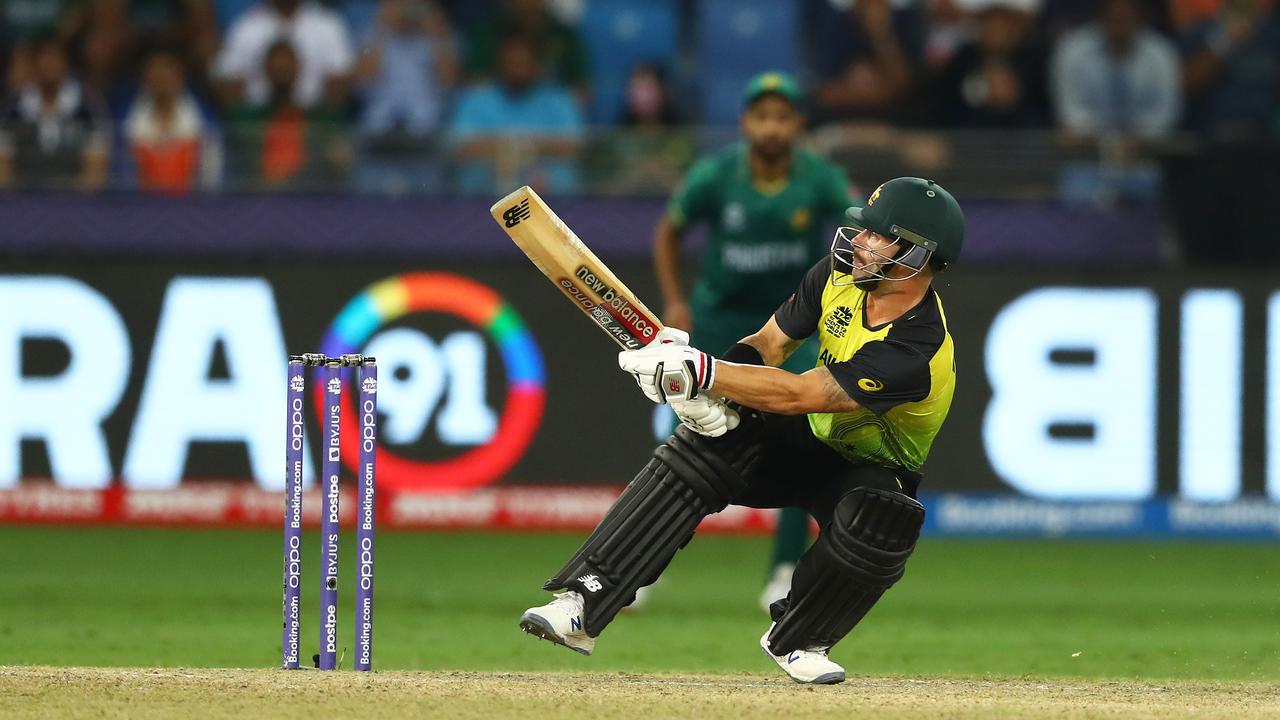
x=450 y=602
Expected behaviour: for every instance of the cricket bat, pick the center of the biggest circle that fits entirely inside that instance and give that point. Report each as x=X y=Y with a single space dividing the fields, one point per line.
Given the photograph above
x=571 y=266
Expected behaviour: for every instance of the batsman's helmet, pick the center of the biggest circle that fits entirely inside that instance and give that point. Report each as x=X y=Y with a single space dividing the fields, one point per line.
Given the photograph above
x=918 y=212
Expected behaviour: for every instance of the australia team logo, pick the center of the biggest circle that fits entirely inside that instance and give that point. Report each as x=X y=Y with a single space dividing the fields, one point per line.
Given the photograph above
x=436 y=385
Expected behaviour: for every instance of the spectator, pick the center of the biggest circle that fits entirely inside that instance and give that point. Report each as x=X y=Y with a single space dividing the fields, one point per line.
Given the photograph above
x=866 y=59
x=517 y=128
x=1117 y=76
x=164 y=128
x=654 y=150
x=408 y=67
x=52 y=134
x=648 y=99
x=947 y=29
x=191 y=25
x=106 y=36
x=558 y=47
x=322 y=46
x=1230 y=71
x=998 y=79
x=22 y=23
x=1118 y=80
x=101 y=48
x=280 y=144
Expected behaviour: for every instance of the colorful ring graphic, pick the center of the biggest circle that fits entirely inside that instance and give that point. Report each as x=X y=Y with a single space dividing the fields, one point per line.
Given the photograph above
x=390 y=299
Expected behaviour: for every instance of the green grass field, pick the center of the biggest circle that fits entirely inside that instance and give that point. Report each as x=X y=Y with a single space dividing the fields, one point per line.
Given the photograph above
x=167 y=598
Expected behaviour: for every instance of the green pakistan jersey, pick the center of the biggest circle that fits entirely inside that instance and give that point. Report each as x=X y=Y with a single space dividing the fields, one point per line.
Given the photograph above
x=760 y=239
x=902 y=373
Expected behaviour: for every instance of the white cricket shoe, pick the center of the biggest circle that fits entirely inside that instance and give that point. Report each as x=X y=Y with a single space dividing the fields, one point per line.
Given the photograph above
x=560 y=621
x=810 y=666
x=778 y=586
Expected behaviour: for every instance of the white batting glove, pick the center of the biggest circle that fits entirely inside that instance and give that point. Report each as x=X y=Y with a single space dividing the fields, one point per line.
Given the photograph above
x=667 y=373
x=670 y=336
x=706 y=415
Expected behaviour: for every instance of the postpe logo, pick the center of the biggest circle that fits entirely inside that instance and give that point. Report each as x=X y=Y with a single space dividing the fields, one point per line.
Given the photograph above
x=486 y=454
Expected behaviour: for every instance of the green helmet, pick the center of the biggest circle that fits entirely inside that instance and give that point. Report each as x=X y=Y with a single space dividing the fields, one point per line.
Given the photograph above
x=919 y=211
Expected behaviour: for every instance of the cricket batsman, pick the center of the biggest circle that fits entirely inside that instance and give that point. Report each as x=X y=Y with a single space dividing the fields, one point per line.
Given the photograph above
x=844 y=440
x=765 y=203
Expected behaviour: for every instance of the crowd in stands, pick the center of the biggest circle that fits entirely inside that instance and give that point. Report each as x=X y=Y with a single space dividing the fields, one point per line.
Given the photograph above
x=393 y=95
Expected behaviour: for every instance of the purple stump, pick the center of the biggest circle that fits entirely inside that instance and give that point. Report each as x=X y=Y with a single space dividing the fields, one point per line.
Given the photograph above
x=368 y=380
x=329 y=526
x=295 y=429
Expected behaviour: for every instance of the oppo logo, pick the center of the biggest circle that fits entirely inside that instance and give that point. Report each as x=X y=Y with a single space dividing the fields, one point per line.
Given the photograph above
x=368 y=425
x=297 y=424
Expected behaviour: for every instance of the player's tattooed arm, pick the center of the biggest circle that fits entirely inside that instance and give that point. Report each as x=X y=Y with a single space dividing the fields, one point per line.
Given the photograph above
x=778 y=391
x=834 y=396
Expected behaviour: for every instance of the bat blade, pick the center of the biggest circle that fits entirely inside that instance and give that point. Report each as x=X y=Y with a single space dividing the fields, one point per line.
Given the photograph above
x=571 y=266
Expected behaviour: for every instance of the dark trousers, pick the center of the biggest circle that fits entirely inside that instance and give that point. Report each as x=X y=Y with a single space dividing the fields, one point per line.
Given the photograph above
x=798 y=469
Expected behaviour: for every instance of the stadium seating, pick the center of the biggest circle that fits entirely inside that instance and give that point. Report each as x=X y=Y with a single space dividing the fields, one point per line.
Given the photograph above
x=620 y=34
x=737 y=39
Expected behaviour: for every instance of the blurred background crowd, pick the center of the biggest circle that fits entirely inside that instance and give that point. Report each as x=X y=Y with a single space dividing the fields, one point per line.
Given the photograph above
x=1098 y=102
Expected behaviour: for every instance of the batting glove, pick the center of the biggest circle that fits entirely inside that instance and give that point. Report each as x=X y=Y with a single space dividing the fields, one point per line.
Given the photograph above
x=667 y=373
x=670 y=336
x=706 y=415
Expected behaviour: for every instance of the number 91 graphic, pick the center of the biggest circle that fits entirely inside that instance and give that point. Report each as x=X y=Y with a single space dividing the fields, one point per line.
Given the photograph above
x=449 y=375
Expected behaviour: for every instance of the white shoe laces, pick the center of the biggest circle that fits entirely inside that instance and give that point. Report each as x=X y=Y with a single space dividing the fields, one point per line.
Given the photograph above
x=571 y=598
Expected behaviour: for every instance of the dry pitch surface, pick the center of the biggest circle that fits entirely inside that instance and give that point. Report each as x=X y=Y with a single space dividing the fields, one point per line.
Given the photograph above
x=43 y=692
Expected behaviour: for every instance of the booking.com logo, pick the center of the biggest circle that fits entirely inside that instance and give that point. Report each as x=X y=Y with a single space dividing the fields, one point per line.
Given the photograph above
x=422 y=379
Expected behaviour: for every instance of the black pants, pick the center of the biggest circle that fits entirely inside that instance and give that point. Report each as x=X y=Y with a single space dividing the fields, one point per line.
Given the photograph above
x=797 y=469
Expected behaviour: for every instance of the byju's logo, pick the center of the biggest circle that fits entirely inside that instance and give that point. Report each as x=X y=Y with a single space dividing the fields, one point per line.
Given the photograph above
x=438 y=387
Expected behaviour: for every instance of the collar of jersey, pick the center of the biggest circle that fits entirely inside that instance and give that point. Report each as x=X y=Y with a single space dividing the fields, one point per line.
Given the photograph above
x=928 y=293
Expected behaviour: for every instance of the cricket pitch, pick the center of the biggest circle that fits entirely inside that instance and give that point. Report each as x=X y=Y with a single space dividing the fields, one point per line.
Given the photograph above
x=144 y=693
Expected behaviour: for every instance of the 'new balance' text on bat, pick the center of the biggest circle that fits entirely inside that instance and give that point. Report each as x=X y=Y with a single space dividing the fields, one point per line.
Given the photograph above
x=573 y=268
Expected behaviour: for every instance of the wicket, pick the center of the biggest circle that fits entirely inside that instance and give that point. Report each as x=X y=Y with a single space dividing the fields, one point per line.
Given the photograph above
x=366 y=378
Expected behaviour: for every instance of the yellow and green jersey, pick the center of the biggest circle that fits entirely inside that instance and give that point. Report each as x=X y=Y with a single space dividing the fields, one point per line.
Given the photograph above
x=902 y=373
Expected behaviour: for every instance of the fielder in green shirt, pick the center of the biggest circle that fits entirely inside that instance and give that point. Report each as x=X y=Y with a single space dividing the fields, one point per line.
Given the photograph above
x=767 y=205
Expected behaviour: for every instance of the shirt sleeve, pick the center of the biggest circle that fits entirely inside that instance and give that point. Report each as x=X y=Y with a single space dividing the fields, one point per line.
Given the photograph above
x=798 y=316
x=1066 y=78
x=884 y=374
x=340 y=58
x=1160 y=115
x=695 y=199
x=237 y=56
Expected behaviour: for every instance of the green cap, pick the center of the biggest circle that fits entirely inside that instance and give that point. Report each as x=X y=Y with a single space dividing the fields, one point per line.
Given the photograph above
x=778 y=83
x=916 y=210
